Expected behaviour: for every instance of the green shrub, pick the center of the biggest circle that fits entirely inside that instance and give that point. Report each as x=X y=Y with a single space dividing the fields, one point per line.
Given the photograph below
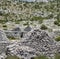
x=5 y=29
x=43 y=27
x=3 y=21
x=57 y=38
x=17 y=21
x=40 y=19
x=4 y=25
x=57 y=23
x=11 y=38
x=49 y=16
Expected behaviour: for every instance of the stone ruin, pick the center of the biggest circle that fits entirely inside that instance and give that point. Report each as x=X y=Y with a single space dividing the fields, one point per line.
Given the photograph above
x=41 y=42
x=37 y=42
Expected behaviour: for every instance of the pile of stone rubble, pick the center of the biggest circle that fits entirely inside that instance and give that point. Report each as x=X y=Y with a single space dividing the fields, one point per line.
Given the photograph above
x=4 y=42
x=41 y=42
x=37 y=42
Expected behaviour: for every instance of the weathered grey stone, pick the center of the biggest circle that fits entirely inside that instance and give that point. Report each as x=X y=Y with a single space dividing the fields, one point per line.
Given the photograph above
x=3 y=43
x=38 y=42
x=28 y=28
x=16 y=29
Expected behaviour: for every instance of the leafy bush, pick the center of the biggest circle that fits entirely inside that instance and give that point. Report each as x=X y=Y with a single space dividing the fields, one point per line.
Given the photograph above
x=4 y=25
x=49 y=16
x=57 y=38
x=17 y=21
x=5 y=29
x=11 y=37
x=3 y=21
x=40 y=19
x=57 y=23
x=43 y=27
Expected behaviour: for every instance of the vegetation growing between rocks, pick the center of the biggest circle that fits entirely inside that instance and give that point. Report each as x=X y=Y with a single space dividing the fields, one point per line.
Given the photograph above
x=43 y=27
x=41 y=57
x=57 y=38
x=13 y=13
x=57 y=56
x=57 y=22
x=11 y=38
x=12 y=57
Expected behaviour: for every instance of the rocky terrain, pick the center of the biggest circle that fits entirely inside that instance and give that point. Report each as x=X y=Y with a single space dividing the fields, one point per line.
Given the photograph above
x=37 y=42
x=29 y=28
